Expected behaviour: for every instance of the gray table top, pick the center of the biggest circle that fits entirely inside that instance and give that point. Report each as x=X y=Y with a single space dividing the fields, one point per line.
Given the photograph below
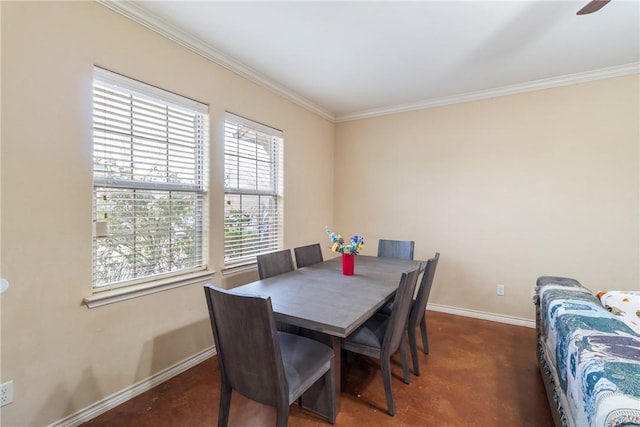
x=321 y=298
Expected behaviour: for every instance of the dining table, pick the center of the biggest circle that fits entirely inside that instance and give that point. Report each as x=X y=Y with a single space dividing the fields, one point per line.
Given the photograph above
x=321 y=299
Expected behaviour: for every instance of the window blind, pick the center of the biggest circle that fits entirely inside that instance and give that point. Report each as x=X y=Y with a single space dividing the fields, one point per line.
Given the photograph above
x=253 y=190
x=149 y=180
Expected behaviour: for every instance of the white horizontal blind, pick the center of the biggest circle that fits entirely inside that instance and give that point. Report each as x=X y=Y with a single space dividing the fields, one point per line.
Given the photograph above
x=149 y=179
x=253 y=196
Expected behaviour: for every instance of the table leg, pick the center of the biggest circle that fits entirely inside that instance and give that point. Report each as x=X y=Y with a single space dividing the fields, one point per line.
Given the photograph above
x=336 y=343
x=314 y=399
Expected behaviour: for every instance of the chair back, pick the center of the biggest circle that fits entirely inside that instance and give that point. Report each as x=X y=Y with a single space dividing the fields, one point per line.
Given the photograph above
x=400 y=313
x=420 y=303
x=402 y=249
x=274 y=263
x=307 y=255
x=247 y=347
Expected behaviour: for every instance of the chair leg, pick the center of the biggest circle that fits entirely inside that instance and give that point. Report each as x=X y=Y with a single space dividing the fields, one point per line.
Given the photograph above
x=225 y=404
x=386 y=379
x=413 y=346
x=425 y=341
x=282 y=414
x=405 y=363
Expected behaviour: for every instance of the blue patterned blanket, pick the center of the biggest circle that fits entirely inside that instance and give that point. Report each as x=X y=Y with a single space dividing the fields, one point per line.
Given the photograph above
x=596 y=358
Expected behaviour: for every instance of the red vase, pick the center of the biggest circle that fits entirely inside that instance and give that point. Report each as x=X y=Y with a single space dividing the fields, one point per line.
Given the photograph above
x=348 y=264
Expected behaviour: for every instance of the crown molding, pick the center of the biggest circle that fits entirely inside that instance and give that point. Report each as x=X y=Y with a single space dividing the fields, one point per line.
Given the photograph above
x=566 y=80
x=141 y=16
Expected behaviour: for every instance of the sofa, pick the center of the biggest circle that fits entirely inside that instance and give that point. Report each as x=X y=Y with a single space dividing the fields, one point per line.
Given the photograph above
x=589 y=353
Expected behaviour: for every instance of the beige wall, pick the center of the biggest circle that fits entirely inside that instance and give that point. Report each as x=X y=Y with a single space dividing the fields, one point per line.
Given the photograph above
x=507 y=189
x=62 y=356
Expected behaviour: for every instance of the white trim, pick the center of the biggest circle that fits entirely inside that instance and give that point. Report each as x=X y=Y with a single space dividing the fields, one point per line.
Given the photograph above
x=119 y=82
x=240 y=268
x=570 y=79
x=493 y=317
x=229 y=116
x=154 y=23
x=100 y=298
x=134 y=390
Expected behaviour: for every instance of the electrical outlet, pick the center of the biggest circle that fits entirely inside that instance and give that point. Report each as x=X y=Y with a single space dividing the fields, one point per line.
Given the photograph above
x=500 y=290
x=6 y=393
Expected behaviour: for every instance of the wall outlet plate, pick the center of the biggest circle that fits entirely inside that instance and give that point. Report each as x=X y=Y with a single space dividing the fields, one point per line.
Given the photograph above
x=500 y=290
x=6 y=393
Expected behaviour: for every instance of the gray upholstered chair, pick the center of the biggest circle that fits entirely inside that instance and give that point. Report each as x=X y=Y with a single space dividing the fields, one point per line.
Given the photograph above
x=395 y=248
x=402 y=249
x=417 y=315
x=274 y=263
x=271 y=367
x=307 y=255
x=381 y=336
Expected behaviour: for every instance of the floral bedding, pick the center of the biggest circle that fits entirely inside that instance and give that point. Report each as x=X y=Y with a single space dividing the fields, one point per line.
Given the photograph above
x=592 y=357
x=624 y=304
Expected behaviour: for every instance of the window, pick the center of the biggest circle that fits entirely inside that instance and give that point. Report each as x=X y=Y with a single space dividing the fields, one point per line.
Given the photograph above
x=253 y=190
x=149 y=175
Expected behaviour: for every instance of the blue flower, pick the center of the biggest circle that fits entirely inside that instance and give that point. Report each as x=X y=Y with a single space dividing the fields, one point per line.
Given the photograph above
x=356 y=243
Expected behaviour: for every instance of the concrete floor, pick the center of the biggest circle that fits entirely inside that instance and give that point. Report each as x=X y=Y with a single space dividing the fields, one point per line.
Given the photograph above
x=478 y=373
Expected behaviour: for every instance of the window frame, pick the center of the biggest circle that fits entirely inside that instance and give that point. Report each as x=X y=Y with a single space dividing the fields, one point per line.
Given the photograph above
x=274 y=192
x=167 y=278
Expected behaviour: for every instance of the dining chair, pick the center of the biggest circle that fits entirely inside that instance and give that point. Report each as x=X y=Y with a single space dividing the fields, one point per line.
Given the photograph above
x=402 y=249
x=307 y=255
x=395 y=248
x=263 y=364
x=381 y=336
x=274 y=263
x=417 y=315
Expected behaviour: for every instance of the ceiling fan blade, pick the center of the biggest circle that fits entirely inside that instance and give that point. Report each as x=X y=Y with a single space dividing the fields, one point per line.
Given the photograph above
x=592 y=6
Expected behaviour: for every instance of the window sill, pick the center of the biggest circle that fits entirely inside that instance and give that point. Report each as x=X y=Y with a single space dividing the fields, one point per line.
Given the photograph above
x=239 y=268
x=122 y=294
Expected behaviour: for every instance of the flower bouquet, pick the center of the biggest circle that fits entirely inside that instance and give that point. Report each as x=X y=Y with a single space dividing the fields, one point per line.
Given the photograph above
x=348 y=250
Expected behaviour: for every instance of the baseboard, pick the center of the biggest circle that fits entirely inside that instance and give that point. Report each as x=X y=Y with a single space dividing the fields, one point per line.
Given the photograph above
x=501 y=318
x=122 y=396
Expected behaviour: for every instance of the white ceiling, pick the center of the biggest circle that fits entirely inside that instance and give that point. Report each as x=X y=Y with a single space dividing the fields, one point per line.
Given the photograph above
x=355 y=59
